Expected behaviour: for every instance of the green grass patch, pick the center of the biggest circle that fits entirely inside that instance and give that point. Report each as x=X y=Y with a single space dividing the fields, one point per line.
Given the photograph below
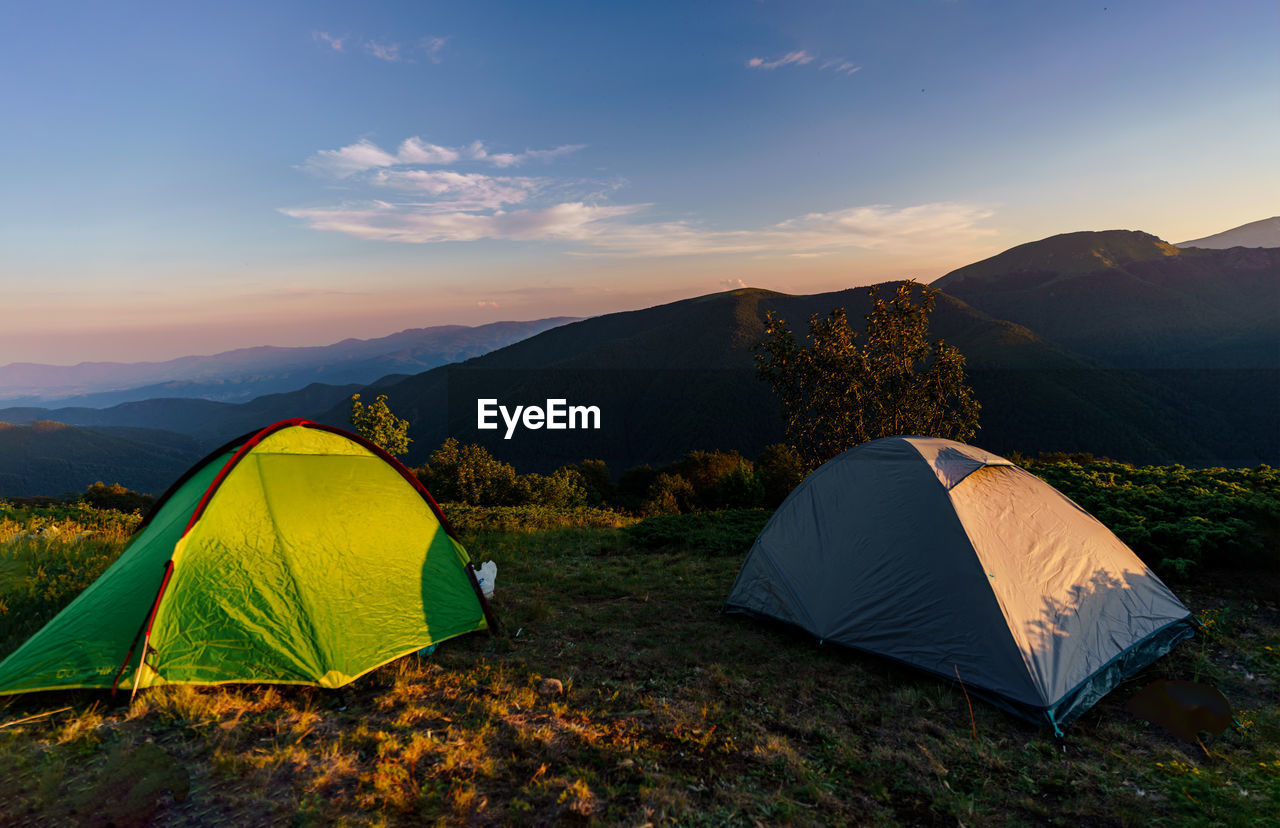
x=730 y=532
x=621 y=695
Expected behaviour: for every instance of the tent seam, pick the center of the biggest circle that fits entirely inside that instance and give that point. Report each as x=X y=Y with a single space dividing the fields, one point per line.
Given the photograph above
x=286 y=560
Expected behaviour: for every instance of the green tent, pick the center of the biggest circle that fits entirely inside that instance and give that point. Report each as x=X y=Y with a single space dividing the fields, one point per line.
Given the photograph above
x=299 y=554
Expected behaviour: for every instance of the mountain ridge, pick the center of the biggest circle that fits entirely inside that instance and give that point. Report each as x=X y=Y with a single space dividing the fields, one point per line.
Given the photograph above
x=1261 y=233
x=680 y=376
x=243 y=374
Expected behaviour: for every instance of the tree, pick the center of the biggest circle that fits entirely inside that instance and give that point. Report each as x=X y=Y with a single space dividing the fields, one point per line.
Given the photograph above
x=837 y=391
x=377 y=424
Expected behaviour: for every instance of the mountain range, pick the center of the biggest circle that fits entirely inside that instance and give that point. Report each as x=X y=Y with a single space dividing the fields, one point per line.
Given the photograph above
x=1115 y=343
x=1264 y=233
x=246 y=373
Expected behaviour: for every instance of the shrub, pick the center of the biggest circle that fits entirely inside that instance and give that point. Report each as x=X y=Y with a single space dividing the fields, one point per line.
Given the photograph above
x=669 y=494
x=116 y=498
x=563 y=488
x=738 y=488
x=779 y=470
x=596 y=481
x=468 y=474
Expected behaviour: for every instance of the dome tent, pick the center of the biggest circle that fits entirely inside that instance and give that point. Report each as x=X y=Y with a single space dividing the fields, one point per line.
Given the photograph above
x=955 y=561
x=298 y=554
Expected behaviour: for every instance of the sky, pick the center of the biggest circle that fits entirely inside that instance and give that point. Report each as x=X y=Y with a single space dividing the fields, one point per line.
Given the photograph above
x=187 y=178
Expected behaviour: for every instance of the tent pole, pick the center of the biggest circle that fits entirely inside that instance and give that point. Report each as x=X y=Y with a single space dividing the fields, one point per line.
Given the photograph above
x=146 y=639
x=145 y=626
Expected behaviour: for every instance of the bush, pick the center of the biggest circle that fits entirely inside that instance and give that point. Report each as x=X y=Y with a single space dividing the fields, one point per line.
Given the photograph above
x=563 y=488
x=668 y=495
x=738 y=488
x=779 y=470
x=468 y=474
x=116 y=498
x=634 y=485
x=596 y=480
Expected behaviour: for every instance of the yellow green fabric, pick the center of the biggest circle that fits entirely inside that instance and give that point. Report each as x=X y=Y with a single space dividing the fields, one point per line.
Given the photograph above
x=313 y=562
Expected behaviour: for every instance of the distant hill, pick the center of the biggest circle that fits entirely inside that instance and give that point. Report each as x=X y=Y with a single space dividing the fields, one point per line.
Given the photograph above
x=1202 y=324
x=1134 y=301
x=1264 y=233
x=681 y=376
x=209 y=423
x=248 y=373
x=48 y=458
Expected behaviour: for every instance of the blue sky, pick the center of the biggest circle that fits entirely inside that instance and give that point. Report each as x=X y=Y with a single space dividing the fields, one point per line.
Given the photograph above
x=187 y=179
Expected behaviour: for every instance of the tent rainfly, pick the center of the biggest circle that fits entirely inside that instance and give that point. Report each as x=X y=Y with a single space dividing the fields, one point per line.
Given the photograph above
x=298 y=554
x=952 y=560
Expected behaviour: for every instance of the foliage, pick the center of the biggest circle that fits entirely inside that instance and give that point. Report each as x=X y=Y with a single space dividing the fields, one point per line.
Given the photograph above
x=63 y=520
x=563 y=488
x=469 y=473
x=778 y=470
x=377 y=424
x=531 y=518
x=669 y=494
x=634 y=485
x=117 y=497
x=597 y=481
x=837 y=392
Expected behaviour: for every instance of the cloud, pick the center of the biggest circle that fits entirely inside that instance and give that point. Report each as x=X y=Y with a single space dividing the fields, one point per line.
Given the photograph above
x=365 y=155
x=934 y=226
x=732 y=284
x=478 y=152
x=801 y=57
x=358 y=157
x=334 y=43
x=484 y=304
x=840 y=66
x=381 y=221
x=433 y=46
x=609 y=230
x=389 y=52
x=470 y=192
x=409 y=198
x=415 y=151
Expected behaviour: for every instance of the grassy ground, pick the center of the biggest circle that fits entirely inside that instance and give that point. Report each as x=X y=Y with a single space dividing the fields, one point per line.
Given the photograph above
x=619 y=694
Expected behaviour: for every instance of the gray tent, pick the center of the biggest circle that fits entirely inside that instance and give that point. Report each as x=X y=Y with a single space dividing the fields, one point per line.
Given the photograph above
x=955 y=561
